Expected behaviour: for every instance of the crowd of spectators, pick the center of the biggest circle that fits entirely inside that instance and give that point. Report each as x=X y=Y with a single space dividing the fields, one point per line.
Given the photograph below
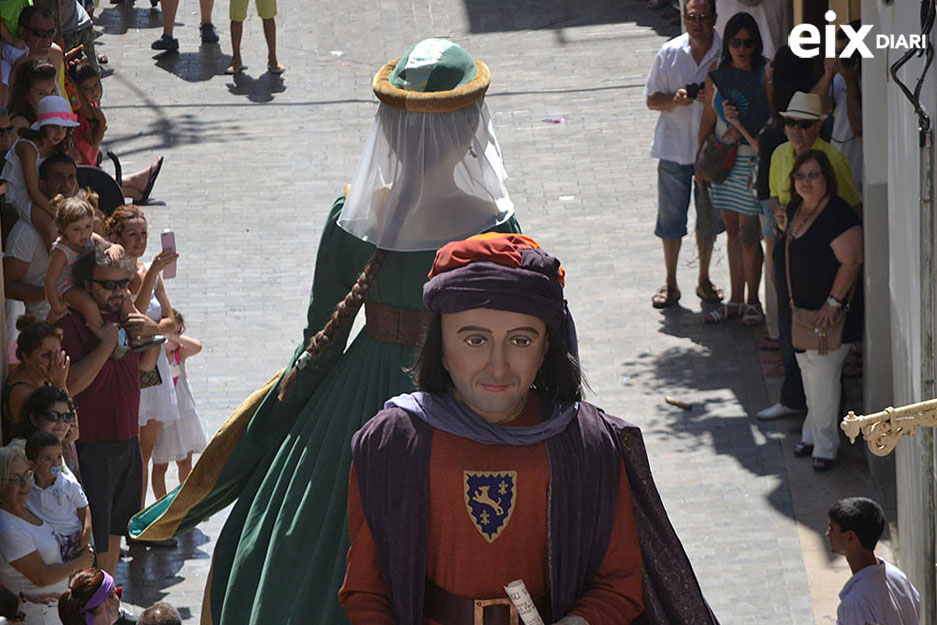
x=795 y=182
x=93 y=337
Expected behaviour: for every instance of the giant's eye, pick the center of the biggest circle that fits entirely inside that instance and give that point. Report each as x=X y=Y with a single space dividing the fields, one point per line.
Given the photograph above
x=475 y=340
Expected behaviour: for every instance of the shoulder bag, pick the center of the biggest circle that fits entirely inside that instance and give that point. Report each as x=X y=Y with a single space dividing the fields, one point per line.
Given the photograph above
x=715 y=159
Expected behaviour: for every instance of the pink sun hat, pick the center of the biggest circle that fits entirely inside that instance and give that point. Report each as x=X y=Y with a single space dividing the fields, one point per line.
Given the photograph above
x=54 y=109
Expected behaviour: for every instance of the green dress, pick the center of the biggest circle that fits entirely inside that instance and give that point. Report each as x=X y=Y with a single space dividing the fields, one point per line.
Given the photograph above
x=281 y=555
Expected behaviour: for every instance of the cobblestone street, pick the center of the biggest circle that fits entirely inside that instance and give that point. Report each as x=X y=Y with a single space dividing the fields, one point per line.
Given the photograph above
x=254 y=161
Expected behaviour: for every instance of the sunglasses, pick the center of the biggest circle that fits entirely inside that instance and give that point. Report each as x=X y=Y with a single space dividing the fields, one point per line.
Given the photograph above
x=699 y=18
x=809 y=175
x=19 y=480
x=42 y=34
x=803 y=124
x=7 y=130
x=54 y=417
x=112 y=285
x=748 y=44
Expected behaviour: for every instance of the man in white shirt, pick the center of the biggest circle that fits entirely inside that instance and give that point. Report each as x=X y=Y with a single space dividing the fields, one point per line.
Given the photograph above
x=878 y=592
x=680 y=69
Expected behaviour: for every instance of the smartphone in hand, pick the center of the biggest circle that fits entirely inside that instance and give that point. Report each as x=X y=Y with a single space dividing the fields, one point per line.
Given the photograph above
x=168 y=239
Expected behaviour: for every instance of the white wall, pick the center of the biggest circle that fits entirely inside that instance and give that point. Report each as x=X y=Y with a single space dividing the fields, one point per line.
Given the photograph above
x=904 y=239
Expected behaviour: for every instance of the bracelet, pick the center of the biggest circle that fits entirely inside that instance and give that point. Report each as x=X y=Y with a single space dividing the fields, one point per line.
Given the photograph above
x=832 y=302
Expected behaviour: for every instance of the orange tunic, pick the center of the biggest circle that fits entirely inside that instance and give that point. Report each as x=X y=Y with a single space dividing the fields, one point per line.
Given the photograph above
x=473 y=553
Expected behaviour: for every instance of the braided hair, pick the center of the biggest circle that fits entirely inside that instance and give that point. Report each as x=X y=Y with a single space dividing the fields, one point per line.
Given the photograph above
x=342 y=314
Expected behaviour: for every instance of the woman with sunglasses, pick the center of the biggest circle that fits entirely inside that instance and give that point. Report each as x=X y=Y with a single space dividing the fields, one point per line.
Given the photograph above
x=42 y=361
x=50 y=409
x=127 y=226
x=733 y=198
x=91 y=599
x=31 y=563
x=823 y=238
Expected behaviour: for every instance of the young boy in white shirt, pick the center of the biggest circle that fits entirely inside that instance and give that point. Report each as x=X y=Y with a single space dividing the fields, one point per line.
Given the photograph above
x=56 y=496
x=878 y=592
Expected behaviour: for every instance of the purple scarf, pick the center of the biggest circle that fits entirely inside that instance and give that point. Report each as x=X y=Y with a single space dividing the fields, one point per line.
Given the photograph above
x=452 y=416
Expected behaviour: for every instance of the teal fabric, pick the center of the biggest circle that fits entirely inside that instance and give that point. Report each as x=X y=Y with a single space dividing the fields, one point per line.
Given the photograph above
x=281 y=555
x=455 y=68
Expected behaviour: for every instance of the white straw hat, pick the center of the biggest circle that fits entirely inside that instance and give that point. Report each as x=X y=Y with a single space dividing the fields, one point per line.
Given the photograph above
x=804 y=106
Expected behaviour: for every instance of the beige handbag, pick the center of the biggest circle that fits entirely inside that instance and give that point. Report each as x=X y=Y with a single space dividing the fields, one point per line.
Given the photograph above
x=805 y=335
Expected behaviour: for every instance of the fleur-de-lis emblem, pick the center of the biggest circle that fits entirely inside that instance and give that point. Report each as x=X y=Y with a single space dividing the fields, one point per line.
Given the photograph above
x=490 y=498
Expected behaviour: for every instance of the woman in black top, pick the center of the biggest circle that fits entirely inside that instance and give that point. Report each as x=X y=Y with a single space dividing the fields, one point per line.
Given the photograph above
x=825 y=256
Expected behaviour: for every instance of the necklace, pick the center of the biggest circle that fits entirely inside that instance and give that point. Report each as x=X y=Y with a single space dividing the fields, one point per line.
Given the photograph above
x=799 y=222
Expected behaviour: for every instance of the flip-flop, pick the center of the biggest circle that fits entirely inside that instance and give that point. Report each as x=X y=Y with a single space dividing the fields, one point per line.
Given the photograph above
x=276 y=69
x=151 y=180
x=232 y=69
x=665 y=297
x=709 y=293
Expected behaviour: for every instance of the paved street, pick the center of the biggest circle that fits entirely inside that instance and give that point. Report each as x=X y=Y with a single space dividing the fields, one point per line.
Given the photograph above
x=253 y=163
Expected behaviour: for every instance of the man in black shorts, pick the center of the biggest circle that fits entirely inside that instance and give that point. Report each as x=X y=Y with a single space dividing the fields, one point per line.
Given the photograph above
x=106 y=388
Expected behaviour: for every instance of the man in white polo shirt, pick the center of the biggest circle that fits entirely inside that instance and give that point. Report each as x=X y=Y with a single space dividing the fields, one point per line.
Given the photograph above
x=680 y=70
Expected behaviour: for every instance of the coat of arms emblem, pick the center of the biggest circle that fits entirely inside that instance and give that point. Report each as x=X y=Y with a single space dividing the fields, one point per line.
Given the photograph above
x=489 y=498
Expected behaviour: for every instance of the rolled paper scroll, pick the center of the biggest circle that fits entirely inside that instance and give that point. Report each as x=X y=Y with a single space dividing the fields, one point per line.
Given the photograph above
x=517 y=593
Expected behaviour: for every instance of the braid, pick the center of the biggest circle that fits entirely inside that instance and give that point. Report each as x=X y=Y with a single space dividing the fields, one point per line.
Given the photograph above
x=343 y=313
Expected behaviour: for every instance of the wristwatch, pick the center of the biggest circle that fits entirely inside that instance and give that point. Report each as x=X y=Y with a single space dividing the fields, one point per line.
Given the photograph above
x=832 y=302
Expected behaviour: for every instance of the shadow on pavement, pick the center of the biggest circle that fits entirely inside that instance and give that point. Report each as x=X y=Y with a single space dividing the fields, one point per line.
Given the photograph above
x=260 y=89
x=725 y=356
x=151 y=571
x=488 y=16
x=199 y=66
x=117 y=19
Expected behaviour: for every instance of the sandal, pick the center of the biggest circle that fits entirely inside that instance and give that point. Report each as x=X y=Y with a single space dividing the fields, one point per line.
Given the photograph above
x=721 y=313
x=802 y=449
x=822 y=464
x=752 y=315
x=665 y=297
x=277 y=69
x=233 y=69
x=709 y=293
x=151 y=180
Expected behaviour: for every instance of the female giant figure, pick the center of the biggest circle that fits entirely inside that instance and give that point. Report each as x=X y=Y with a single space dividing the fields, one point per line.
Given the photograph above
x=430 y=173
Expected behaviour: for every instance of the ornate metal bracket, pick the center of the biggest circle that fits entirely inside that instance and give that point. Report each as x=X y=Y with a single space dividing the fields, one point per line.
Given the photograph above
x=884 y=429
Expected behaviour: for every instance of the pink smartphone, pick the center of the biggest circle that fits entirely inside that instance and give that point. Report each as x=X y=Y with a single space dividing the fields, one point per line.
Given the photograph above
x=168 y=239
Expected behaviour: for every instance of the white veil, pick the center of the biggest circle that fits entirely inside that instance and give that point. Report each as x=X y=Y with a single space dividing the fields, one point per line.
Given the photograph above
x=426 y=179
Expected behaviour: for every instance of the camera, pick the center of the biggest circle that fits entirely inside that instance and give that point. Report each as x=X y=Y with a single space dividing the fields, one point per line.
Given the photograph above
x=693 y=89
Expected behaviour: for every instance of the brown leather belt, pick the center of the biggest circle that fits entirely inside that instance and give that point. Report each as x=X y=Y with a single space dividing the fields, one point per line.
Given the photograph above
x=388 y=324
x=446 y=608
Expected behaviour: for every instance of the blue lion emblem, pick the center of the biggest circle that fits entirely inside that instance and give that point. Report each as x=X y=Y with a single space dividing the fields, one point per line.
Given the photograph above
x=489 y=498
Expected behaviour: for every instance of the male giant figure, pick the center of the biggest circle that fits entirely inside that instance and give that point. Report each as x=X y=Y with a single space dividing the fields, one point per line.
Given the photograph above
x=496 y=470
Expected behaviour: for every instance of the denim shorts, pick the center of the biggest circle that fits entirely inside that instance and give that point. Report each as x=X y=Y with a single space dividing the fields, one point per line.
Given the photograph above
x=674 y=182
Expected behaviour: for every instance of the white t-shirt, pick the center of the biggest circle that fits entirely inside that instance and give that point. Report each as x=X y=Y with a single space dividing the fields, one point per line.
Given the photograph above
x=57 y=504
x=879 y=594
x=772 y=16
x=843 y=138
x=25 y=244
x=676 y=136
x=19 y=538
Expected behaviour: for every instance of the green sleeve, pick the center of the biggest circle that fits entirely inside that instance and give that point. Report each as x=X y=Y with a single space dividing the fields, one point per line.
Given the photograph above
x=339 y=260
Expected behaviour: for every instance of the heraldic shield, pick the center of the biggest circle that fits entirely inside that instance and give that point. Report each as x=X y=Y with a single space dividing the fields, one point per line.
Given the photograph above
x=490 y=497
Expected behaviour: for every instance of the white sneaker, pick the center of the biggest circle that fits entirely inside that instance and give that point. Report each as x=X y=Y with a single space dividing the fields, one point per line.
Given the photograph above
x=776 y=412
